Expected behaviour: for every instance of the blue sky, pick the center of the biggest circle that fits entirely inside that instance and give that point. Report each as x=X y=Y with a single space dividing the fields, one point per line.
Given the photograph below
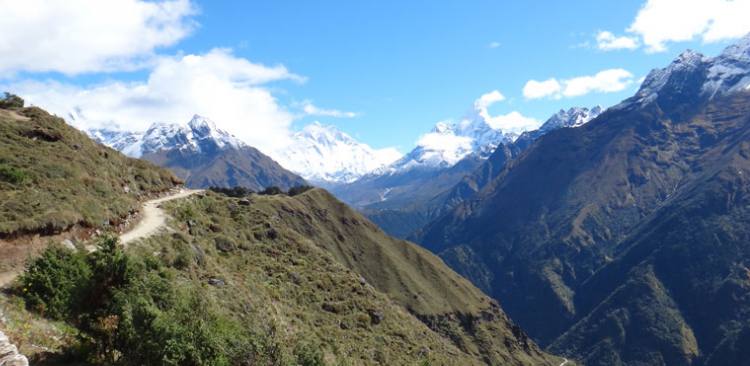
x=399 y=66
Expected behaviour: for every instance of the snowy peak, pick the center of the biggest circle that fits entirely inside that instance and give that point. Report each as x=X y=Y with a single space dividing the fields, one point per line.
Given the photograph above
x=199 y=135
x=129 y=143
x=204 y=131
x=739 y=50
x=573 y=117
x=449 y=142
x=324 y=153
x=693 y=75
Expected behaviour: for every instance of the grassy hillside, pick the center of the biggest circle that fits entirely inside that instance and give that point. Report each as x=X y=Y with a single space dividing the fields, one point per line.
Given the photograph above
x=270 y=280
x=53 y=177
x=328 y=275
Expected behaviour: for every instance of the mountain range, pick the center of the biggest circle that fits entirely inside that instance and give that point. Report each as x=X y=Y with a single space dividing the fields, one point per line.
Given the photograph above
x=202 y=154
x=323 y=154
x=297 y=278
x=624 y=241
x=406 y=195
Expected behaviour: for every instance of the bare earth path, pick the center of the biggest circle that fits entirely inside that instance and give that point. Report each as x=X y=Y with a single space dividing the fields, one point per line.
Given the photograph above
x=153 y=218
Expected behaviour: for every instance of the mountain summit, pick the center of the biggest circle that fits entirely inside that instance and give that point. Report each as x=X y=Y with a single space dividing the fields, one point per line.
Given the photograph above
x=202 y=154
x=448 y=143
x=199 y=135
x=693 y=75
x=323 y=153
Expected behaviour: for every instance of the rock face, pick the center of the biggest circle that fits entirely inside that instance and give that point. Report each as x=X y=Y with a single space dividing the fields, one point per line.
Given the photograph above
x=9 y=355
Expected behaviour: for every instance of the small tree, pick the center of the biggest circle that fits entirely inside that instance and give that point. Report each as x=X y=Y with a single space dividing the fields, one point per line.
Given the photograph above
x=11 y=101
x=299 y=190
x=270 y=191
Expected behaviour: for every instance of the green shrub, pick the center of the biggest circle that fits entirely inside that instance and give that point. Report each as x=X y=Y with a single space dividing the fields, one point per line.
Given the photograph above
x=299 y=190
x=237 y=192
x=12 y=175
x=53 y=284
x=11 y=101
x=309 y=355
x=271 y=191
x=132 y=311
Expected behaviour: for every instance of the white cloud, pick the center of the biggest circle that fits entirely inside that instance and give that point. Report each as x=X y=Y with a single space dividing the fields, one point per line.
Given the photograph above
x=227 y=89
x=606 y=81
x=79 y=36
x=661 y=21
x=513 y=121
x=606 y=41
x=312 y=110
x=488 y=99
x=539 y=89
x=494 y=45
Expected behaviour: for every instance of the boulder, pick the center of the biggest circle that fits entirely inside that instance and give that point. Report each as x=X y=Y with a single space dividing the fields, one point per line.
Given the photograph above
x=9 y=355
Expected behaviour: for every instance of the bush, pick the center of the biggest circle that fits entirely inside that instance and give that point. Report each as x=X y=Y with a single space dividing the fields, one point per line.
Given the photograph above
x=12 y=175
x=271 y=191
x=11 y=101
x=53 y=283
x=131 y=311
x=299 y=190
x=308 y=355
x=233 y=192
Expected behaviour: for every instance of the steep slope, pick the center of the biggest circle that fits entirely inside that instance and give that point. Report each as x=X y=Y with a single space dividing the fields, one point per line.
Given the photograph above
x=495 y=164
x=326 y=155
x=202 y=154
x=328 y=267
x=612 y=241
x=52 y=177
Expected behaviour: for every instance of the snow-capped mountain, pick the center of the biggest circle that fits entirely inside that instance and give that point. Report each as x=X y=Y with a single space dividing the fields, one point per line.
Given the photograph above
x=323 y=153
x=448 y=143
x=573 y=117
x=202 y=154
x=200 y=134
x=724 y=74
x=126 y=142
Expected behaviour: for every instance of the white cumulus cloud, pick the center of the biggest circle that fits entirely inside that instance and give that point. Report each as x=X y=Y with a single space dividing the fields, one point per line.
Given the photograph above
x=660 y=22
x=539 y=89
x=229 y=90
x=607 y=41
x=512 y=121
x=606 y=81
x=80 y=36
x=488 y=99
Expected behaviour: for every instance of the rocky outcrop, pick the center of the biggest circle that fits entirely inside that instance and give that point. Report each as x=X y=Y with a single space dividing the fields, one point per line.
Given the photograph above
x=9 y=355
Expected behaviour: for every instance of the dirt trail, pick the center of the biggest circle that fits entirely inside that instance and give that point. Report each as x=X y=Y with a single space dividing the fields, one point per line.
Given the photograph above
x=153 y=218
